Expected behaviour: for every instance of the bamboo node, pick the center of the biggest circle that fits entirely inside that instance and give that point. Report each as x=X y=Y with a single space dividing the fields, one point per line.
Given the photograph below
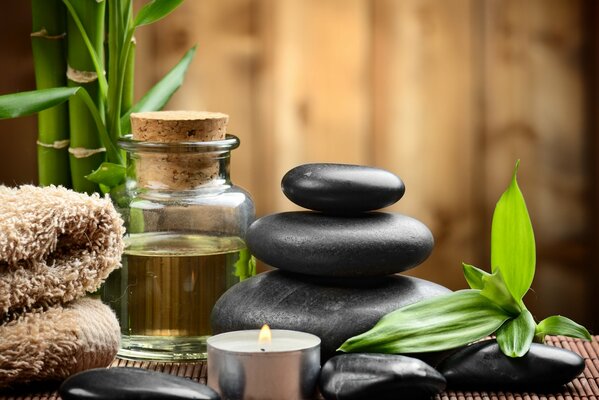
x=58 y=144
x=43 y=33
x=82 y=152
x=81 y=76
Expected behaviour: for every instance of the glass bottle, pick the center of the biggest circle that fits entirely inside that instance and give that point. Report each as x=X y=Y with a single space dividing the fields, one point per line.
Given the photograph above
x=186 y=224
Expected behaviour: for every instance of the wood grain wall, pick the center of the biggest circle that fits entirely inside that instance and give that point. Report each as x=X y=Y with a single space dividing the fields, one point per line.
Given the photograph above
x=447 y=94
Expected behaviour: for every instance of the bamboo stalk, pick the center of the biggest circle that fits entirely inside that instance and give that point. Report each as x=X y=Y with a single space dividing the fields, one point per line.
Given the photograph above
x=115 y=29
x=128 y=94
x=47 y=42
x=121 y=43
x=128 y=84
x=86 y=149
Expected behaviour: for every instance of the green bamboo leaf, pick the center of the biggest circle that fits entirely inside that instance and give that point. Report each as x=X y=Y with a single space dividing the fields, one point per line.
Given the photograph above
x=495 y=289
x=558 y=325
x=160 y=94
x=155 y=10
x=512 y=241
x=516 y=335
x=27 y=103
x=108 y=174
x=438 y=323
x=474 y=276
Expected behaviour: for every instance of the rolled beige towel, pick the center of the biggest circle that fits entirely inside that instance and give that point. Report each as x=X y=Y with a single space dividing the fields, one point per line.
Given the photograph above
x=55 y=245
x=58 y=342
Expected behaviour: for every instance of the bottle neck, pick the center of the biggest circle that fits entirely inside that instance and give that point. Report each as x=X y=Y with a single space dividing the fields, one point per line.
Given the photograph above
x=164 y=171
x=179 y=166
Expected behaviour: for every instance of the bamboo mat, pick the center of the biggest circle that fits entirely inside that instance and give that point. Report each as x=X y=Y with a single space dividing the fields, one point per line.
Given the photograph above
x=584 y=387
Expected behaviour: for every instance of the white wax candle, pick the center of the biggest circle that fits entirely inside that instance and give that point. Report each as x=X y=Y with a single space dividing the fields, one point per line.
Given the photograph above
x=240 y=367
x=247 y=341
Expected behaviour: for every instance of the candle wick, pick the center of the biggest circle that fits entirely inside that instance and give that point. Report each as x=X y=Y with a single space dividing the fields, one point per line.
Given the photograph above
x=262 y=349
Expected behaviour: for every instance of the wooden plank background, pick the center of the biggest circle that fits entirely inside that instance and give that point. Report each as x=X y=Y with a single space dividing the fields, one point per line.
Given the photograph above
x=447 y=94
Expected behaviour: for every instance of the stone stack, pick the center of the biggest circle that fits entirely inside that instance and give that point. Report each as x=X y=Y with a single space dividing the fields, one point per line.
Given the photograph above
x=336 y=264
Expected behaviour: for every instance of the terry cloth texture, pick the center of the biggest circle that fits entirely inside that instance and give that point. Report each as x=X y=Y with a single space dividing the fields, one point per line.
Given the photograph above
x=58 y=342
x=55 y=246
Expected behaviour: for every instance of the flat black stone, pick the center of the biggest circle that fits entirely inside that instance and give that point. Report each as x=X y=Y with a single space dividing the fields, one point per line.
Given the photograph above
x=341 y=188
x=378 y=376
x=483 y=366
x=332 y=309
x=312 y=243
x=132 y=384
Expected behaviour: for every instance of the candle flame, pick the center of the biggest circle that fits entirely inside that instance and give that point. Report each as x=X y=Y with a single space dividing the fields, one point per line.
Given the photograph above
x=265 y=336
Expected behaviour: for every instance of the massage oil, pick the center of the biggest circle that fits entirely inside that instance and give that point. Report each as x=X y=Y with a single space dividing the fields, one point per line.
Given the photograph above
x=167 y=288
x=186 y=223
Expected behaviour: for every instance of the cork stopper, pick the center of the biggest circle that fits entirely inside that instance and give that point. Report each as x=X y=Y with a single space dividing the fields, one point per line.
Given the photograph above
x=177 y=171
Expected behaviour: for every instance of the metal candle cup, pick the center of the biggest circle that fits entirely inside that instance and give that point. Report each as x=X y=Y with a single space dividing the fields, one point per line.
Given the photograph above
x=241 y=367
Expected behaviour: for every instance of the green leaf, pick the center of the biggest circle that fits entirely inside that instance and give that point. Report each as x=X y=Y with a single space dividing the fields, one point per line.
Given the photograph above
x=27 y=103
x=160 y=94
x=495 y=289
x=245 y=267
x=512 y=241
x=155 y=10
x=516 y=335
x=558 y=325
x=108 y=174
x=492 y=286
x=474 y=276
x=438 y=323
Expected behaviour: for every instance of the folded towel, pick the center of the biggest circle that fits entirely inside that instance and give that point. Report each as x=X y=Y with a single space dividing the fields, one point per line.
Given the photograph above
x=58 y=342
x=55 y=245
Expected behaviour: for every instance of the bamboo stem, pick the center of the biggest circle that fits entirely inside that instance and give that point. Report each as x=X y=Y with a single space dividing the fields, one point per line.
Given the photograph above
x=115 y=102
x=115 y=22
x=112 y=153
x=85 y=140
x=47 y=42
x=94 y=56
x=128 y=84
x=129 y=70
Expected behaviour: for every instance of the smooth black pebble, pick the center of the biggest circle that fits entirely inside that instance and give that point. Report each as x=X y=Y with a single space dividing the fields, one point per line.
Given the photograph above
x=332 y=309
x=482 y=365
x=132 y=384
x=312 y=243
x=341 y=188
x=378 y=376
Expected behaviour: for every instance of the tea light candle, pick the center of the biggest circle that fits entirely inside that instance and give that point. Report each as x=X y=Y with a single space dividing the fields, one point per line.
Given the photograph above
x=264 y=364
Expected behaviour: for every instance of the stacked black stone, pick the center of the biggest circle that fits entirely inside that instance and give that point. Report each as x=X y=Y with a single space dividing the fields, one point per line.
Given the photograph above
x=335 y=279
x=336 y=263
